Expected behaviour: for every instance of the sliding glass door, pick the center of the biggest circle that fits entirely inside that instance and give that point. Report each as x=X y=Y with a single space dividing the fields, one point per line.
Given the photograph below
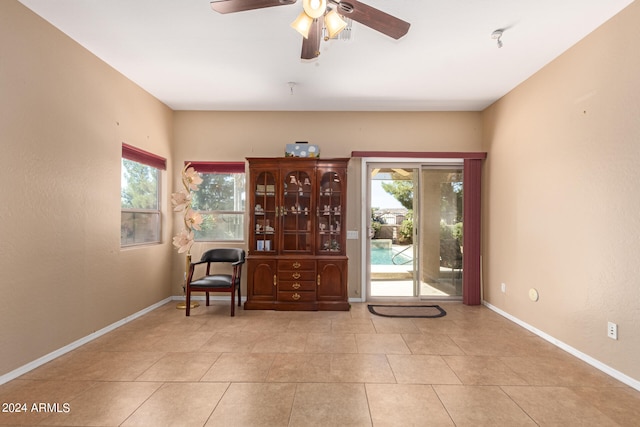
x=415 y=231
x=440 y=231
x=392 y=253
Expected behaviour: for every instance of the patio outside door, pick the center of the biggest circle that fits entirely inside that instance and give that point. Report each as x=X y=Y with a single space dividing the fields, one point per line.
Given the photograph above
x=415 y=229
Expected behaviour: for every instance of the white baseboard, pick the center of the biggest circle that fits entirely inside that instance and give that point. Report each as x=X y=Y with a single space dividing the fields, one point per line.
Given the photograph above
x=67 y=348
x=631 y=382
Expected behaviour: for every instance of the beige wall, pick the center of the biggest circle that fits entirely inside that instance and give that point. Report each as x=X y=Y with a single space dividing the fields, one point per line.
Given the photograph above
x=232 y=136
x=63 y=117
x=560 y=198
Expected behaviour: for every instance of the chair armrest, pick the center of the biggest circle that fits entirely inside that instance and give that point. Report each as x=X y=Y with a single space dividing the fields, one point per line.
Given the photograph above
x=198 y=262
x=238 y=262
x=192 y=266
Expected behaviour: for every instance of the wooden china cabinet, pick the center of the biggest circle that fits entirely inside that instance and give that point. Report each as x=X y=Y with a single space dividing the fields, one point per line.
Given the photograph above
x=297 y=234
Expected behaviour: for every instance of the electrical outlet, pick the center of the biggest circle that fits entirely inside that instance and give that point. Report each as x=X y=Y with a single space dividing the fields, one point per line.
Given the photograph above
x=612 y=330
x=503 y=287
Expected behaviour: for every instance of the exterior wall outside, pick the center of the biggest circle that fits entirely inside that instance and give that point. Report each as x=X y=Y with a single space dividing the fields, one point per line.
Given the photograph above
x=560 y=201
x=63 y=117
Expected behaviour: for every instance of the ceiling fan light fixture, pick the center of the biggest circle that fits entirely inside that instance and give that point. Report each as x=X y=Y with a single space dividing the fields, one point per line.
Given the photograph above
x=334 y=23
x=302 y=24
x=314 y=8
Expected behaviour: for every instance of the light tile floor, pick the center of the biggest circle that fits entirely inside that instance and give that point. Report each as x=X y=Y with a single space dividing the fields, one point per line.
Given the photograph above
x=265 y=368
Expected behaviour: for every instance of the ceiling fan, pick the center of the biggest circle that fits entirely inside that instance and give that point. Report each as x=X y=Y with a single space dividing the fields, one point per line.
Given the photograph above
x=310 y=24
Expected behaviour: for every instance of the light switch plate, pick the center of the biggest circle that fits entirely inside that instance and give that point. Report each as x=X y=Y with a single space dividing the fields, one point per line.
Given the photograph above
x=352 y=234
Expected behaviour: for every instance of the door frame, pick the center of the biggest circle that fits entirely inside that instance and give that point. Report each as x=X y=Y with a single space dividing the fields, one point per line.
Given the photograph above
x=472 y=180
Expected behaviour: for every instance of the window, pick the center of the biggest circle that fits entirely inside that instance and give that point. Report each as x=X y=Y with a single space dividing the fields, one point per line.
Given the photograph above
x=220 y=200
x=140 y=197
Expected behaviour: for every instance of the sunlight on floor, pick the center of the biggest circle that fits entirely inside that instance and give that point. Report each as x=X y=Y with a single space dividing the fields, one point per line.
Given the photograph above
x=402 y=288
x=396 y=281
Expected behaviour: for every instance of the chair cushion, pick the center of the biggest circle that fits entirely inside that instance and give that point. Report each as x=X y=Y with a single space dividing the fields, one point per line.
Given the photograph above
x=213 y=281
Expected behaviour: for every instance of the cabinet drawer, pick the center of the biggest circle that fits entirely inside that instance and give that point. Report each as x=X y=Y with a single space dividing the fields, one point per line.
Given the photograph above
x=306 y=265
x=296 y=285
x=296 y=296
x=301 y=276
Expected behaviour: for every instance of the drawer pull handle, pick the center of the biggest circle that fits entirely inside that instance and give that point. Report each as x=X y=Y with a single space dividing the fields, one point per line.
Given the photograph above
x=295 y=296
x=296 y=275
x=275 y=280
x=296 y=265
x=296 y=285
x=318 y=280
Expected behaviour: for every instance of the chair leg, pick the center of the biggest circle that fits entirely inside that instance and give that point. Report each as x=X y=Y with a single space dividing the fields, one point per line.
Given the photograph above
x=188 y=302
x=239 y=296
x=207 y=297
x=233 y=302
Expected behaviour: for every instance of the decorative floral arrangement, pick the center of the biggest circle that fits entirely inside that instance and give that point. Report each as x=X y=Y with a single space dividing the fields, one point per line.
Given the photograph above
x=181 y=201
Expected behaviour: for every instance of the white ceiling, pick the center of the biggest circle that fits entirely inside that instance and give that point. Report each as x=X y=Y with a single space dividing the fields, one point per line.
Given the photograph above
x=192 y=58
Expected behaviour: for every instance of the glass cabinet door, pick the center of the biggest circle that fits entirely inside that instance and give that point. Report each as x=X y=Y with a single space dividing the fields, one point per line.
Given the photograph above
x=297 y=212
x=265 y=213
x=330 y=225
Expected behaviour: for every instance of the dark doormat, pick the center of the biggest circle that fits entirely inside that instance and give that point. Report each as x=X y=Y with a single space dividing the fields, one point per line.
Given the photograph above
x=407 y=310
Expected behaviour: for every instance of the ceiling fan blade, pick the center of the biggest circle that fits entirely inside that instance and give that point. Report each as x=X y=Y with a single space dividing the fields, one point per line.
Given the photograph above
x=311 y=45
x=373 y=18
x=231 y=6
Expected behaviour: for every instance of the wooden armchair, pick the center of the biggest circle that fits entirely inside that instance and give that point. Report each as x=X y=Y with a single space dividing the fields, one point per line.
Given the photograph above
x=216 y=282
